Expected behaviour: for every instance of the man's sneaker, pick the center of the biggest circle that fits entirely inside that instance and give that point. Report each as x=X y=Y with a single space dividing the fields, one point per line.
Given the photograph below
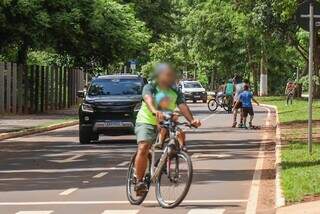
x=140 y=188
x=251 y=126
x=234 y=125
x=244 y=127
x=241 y=125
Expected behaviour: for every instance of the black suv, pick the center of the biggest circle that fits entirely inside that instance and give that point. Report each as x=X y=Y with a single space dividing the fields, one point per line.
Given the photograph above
x=109 y=106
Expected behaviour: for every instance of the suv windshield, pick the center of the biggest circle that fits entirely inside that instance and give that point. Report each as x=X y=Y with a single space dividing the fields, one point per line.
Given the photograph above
x=102 y=87
x=192 y=85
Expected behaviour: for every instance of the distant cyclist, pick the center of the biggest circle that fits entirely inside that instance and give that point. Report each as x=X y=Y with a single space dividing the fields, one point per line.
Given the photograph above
x=290 y=91
x=229 y=92
x=149 y=116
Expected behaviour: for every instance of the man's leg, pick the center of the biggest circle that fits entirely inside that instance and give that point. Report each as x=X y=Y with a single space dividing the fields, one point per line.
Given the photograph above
x=251 y=118
x=141 y=161
x=241 y=115
x=235 y=113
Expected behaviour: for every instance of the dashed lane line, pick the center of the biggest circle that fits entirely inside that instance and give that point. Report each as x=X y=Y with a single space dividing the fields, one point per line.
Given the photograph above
x=120 y=212
x=124 y=163
x=100 y=175
x=35 y=212
x=206 y=211
x=115 y=202
x=68 y=191
x=91 y=169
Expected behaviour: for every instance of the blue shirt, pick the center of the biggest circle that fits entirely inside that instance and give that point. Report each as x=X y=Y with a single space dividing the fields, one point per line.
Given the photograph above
x=245 y=98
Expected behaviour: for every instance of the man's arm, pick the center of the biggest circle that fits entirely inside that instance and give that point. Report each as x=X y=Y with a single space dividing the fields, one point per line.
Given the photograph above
x=148 y=99
x=254 y=100
x=185 y=111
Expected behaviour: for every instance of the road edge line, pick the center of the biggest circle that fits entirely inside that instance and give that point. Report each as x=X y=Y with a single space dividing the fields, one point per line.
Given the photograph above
x=252 y=204
x=36 y=130
x=279 y=197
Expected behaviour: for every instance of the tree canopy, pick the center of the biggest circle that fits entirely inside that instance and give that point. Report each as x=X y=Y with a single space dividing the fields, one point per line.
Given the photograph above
x=210 y=40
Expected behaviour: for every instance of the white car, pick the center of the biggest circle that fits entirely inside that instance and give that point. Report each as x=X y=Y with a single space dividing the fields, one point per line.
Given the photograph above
x=193 y=90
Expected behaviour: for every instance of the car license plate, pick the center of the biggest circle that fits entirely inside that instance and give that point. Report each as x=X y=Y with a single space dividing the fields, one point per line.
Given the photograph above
x=112 y=124
x=197 y=96
x=118 y=124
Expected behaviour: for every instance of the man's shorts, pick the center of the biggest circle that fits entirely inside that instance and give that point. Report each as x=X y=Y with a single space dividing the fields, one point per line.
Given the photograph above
x=247 y=111
x=238 y=106
x=145 y=133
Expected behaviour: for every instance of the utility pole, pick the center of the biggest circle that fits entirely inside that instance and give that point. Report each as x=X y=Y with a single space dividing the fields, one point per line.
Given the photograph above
x=311 y=67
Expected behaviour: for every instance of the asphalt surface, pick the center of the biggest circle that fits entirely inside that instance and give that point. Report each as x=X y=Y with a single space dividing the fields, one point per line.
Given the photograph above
x=52 y=173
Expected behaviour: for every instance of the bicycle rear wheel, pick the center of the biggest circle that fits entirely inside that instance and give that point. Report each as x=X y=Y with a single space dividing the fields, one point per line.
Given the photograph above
x=131 y=182
x=212 y=105
x=174 y=181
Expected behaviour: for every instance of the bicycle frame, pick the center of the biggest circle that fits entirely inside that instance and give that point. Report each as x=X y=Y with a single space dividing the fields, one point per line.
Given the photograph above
x=155 y=171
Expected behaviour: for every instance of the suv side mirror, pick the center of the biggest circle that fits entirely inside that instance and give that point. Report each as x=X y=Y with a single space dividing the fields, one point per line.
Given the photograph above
x=80 y=94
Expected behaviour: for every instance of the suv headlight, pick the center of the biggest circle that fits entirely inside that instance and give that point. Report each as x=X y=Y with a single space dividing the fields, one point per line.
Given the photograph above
x=87 y=108
x=137 y=107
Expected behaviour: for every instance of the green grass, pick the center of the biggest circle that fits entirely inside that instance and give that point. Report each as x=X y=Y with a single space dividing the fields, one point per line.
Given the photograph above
x=298 y=112
x=300 y=176
x=301 y=172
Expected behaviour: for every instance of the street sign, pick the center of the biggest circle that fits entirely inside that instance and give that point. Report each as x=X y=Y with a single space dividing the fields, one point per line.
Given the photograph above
x=302 y=14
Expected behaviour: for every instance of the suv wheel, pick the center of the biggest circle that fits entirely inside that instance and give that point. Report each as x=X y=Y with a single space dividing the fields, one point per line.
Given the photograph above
x=85 y=135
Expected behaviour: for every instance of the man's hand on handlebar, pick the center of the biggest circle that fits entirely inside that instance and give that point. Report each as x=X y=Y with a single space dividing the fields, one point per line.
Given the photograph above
x=196 y=123
x=159 y=115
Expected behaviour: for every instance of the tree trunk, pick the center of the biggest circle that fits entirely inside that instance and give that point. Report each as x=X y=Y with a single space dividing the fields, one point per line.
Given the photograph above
x=22 y=55
x=212 y=81
x=316 y=91
x=263 y=76
x=253 y=67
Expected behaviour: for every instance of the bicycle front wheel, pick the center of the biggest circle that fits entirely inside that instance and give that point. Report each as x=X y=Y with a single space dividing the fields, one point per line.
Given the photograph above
x=174 y=181
x=132 y=181
x=212 y=105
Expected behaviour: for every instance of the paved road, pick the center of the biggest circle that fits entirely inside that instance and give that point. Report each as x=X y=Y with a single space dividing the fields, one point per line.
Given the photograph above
x=51 y=173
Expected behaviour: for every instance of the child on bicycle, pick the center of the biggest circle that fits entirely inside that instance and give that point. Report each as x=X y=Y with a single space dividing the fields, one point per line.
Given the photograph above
x=163 y=104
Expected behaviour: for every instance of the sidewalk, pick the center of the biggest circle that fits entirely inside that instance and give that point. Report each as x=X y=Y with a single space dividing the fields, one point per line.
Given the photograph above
x=302 y=208
x=23 y=124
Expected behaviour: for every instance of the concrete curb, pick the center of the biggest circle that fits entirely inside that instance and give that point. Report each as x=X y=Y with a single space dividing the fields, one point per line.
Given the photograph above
x=280 y=200
x=35 y=130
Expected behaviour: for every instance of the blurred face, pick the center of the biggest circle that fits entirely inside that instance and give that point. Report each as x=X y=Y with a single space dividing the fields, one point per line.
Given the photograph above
x=167 y=77
x=164 y=104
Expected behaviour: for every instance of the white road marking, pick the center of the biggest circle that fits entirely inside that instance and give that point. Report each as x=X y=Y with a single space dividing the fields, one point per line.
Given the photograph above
x=100 y=175
x=198 y=155
x=73 y=158
x=255 y=185
x=35 y=212
x=206 y=211
x=68 y=191
x=63 y=170
x=208 y=117
x=120 y=212
x=124 y=163
x=115 y=202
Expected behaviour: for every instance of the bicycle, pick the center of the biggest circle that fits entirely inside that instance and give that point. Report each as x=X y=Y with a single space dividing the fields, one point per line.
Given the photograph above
x=219 y=101
x=167 y=173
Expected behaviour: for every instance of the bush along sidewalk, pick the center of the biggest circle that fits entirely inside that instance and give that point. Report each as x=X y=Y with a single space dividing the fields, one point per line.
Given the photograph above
x=300 y=174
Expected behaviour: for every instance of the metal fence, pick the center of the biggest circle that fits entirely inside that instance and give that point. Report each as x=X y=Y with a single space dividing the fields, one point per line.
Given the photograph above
x=33 y=88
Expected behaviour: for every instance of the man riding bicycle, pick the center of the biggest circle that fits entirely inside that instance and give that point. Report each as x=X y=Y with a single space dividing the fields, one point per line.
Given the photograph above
x=149 y=116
